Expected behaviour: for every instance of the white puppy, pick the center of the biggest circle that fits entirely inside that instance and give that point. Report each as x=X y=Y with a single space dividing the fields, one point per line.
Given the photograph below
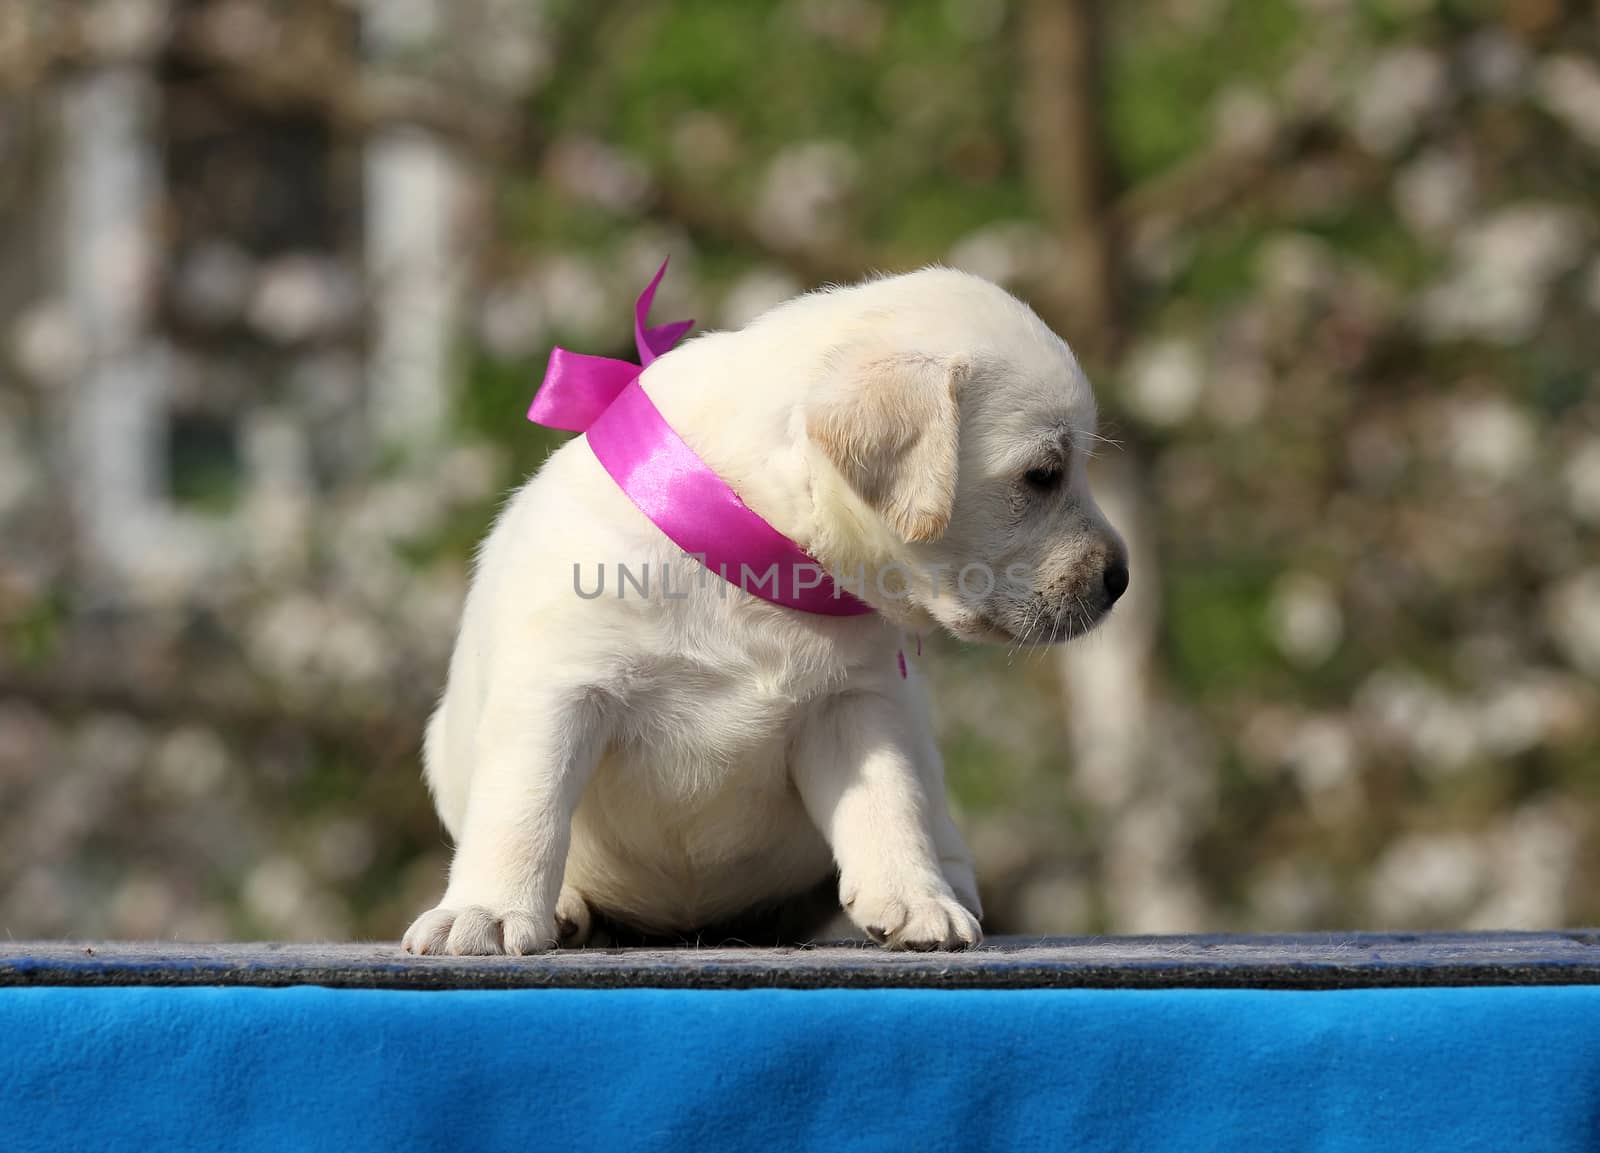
x=671 y=762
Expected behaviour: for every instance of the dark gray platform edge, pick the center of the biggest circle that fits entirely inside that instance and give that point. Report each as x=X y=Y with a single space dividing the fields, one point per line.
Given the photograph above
x=1314 y=961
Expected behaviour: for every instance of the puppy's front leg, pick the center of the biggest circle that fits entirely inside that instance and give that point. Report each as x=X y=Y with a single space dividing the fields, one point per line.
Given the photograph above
x=855 y=772
x=535 y=753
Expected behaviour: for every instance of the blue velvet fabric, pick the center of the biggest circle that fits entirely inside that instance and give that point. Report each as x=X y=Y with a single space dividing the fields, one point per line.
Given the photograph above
x=1397 y=1071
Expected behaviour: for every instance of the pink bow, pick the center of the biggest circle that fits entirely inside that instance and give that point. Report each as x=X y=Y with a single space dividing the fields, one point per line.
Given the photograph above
x=668 y=481
x=578 y=388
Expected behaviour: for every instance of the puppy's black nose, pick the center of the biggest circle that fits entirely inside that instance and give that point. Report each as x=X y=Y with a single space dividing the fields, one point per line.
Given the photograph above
x=1116 y=580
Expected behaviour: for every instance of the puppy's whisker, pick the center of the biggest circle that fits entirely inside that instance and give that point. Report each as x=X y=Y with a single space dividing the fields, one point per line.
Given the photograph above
x=1040 y=626
x=1043 y=625
x=1021 y=637
x=1048 y=635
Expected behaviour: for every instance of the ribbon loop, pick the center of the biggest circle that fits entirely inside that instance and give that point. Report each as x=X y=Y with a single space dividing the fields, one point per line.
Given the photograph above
x=578 y=388
x=654 y=342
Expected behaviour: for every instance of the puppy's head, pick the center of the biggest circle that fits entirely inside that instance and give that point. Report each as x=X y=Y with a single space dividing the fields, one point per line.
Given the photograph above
x=955 y=428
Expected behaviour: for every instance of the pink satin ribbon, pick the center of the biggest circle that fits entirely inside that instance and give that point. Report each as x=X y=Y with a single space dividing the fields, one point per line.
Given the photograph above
x=678 y=491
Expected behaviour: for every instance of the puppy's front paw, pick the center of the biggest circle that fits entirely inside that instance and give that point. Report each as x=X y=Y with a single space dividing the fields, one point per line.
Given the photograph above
x=922 y=919
x=478 y=931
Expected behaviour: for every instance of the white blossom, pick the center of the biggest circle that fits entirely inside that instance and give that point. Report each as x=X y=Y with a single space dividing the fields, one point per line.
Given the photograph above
x=854 y=25
x=1572 y=616
x=471 y=472
x=1440 y=734
x=1491 y=440
x=1055 y=904
x=704 y=143
x=1519 y=715
x=1501 y=272
x=1291 y=895
x=1534 y=852
x=755 y=293
x=1164 y=381
x=1307 y=622
x=395 y=27
x=574 y=299
x=122 y=28
x=1322 y=756
x=1244 y=120
x=215 y=283
x=1569 y=88
x=1005 y=253
x=276 y=890
x=1293 y=266
x=512 y=46
x=1236 y=394
x=302 y=296
x=804 y=193
x=343 y=847
x=191 y=762
x=1582 y=478
x=588 y=169
x=1150 y=887
x=1403 y=86
x=1424 y=878
x=512 y=319
x=47 y=345
x=304 y=642
x=1433 y=192
x=280 y=503
x=142 y=906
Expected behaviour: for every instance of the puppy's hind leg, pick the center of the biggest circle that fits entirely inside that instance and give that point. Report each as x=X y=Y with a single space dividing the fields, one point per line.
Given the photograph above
x=574 y=919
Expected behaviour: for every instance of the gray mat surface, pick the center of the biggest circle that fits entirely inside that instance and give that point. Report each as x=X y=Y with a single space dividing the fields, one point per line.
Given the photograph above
x=1312 y=961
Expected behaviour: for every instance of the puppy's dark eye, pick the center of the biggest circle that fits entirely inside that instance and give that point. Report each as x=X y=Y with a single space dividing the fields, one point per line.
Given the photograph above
x=1043 y=479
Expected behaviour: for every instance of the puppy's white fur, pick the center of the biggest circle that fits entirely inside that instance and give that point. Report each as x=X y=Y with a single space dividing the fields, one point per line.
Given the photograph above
x=674 y=762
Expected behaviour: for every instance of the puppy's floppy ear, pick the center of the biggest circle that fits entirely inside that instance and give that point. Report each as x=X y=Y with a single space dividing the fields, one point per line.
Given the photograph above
x=889 y=422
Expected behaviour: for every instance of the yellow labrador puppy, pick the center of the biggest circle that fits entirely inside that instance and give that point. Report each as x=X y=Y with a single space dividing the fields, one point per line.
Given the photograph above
x=671 y=753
